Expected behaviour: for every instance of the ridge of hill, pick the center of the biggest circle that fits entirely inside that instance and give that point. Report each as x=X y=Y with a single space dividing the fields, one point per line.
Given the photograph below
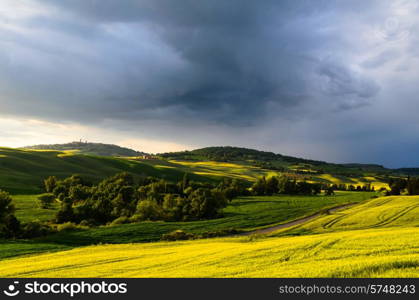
x=274 y=161
x=23 y=171
x=99 y=149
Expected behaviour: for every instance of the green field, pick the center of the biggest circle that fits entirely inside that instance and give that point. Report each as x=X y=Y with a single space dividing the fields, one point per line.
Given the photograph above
x=23 y=171
x=245 y=213
x=388 y=248
x=27 y=209
x=376 y=237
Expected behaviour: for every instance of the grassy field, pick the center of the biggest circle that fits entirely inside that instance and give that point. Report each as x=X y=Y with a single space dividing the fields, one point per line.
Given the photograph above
x=23 y=171
x=246 y=171
x=368 y=253
x=356 y=181
x=395 y=211
x=387 y=246
x=27 y=209
x=223 y=169
x=246 y=213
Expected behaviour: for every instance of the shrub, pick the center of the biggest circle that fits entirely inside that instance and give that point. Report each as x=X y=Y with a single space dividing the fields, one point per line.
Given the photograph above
x=35 y=229
x=135 y=219
x=88 y=223
x=120 y=220
x=223 y=232
x=6 y=206
x=178 y=235
x=11 y=228
x=9 y=225
x=45 y=200
x=148 y=210
x=70 y=226
x=50 y=183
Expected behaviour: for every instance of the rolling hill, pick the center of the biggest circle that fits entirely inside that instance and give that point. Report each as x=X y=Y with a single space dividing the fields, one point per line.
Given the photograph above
x=376 y=238
x=385 y=247
x=23 y=171
x=273 y=161
x=98 y=149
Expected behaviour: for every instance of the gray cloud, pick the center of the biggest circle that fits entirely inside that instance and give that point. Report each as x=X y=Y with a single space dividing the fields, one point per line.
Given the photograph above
x=168 y=65
x=220 y=61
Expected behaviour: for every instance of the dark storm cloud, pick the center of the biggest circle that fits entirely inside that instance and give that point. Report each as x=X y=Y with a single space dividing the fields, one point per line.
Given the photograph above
x=351 y=89
x=213 y=61
x=227 y=72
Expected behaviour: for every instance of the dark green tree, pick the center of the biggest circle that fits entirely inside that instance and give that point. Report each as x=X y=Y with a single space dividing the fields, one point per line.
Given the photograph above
x=50 y=183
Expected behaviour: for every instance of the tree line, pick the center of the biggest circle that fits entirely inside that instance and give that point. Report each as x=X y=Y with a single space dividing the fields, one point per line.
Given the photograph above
x=284 y=185
x=409 y=186
x=289 y=185
x=120 y=199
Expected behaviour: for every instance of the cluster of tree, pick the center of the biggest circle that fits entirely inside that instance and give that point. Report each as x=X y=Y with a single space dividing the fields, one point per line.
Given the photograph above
x=119 y=197
x=269 y=166
x=225 y=154
x=284 y=185
x=291 y=185
x=228 y=153
x=350 y=187
x=400 y=185
x=9 y=225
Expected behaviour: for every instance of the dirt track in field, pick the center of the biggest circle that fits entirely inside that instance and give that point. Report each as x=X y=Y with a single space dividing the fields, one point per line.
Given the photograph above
x=295 y=222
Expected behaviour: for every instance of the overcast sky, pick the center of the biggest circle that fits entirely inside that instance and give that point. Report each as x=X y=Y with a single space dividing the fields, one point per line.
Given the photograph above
x=328 y=80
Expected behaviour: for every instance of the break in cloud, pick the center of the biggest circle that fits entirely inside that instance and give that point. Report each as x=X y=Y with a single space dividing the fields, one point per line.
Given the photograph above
x=331 y=80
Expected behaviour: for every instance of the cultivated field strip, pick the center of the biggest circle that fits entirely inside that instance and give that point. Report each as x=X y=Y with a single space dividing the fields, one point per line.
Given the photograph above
x=388 y=252
x=395 y=211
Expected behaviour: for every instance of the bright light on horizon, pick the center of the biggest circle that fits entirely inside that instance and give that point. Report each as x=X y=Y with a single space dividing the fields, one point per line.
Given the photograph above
x=15 y=133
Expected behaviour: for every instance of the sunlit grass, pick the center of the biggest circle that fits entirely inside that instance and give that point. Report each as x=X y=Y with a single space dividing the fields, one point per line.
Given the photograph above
x=23 y=171
x=355 y=181
x=395 y=211
x=27 y=209
x=223 y=169
x=369 y=253
x=245 y=213
x=378 y=238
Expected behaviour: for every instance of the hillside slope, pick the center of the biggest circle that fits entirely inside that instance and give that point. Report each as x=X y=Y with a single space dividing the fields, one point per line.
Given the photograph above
x=89 y=148
x=395 y=211
x=273 y=161
x=379 y=251
x=367 y=253
x=22 y=171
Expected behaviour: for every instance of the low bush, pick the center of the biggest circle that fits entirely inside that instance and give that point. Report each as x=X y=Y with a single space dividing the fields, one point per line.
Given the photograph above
x=178 y=235
x=218 y=233
x=69 y=226
x=120 y=220
x=35 y=229
x=45 y=200
x=88 y=223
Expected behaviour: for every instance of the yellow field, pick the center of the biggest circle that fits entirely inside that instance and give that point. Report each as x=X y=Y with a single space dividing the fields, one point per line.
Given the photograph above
x=369 y=253
x=387 y=246
x=222 y=169
x=395 y=211
x=355 y=181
